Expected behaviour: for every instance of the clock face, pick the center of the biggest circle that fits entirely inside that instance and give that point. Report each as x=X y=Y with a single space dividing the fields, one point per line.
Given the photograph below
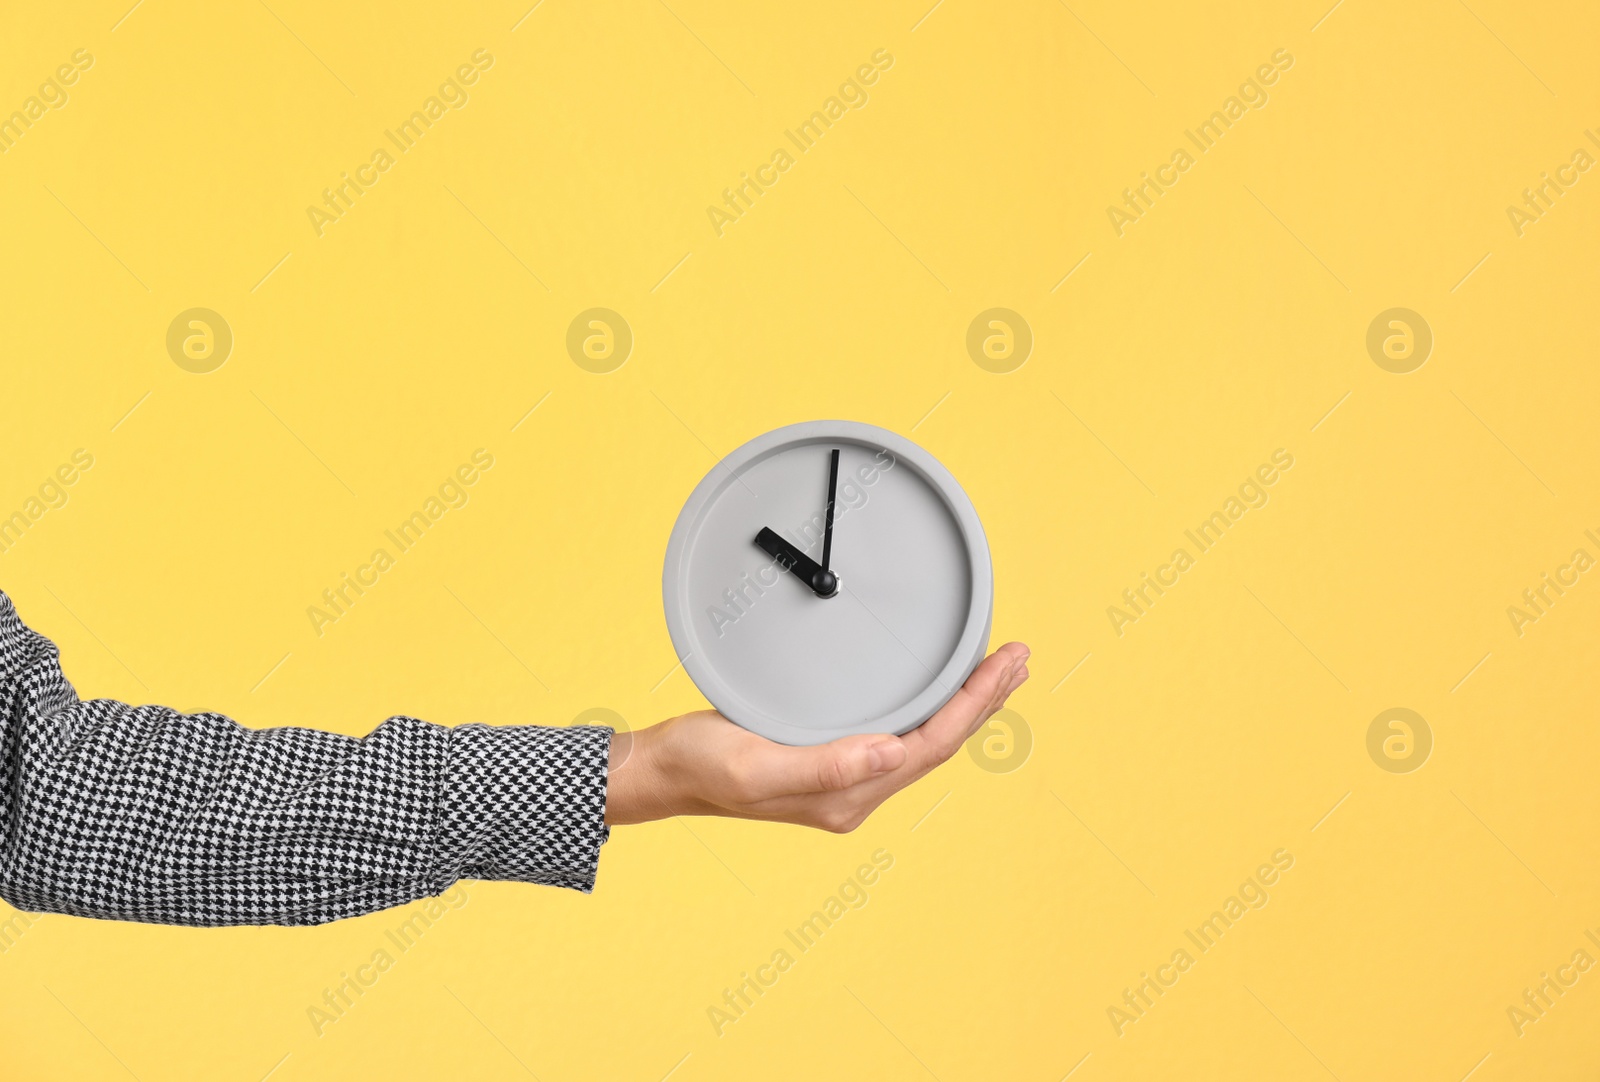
x=804 y=639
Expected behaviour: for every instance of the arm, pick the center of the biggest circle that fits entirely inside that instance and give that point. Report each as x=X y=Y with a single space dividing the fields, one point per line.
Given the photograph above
x=143 y=813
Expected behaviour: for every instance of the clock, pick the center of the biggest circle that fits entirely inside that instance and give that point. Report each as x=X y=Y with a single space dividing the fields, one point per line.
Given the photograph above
x=826 y=579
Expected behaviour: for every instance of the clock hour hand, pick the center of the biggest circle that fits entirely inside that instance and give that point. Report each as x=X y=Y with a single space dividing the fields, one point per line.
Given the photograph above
x=822 y=582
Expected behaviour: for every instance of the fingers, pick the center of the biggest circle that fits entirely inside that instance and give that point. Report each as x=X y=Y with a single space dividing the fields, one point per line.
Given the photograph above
x=848 y=762
x=777 y=770
x=845 y=790
x=985 y=691
x=835 y=785
x=702 y=764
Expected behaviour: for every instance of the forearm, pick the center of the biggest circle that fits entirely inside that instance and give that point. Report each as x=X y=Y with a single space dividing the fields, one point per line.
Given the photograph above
x=143 y=813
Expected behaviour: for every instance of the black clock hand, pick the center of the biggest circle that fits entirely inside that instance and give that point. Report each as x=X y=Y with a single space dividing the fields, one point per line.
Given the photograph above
x=833 y=487
x=822 y=582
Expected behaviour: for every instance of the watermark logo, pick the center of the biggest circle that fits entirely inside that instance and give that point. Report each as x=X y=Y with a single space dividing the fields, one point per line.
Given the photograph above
x=52 y=495
x=1252 y=495
x=1540 y=199
x=52 y=95
x=1139 y=198
x=199 y=340
x=740 y=198
x=1003 y=743
x=599 y=340
x=1399 y=340
x=1254 y=893
x=1399 y=740
x=854 y=893
x=999 y=340
x=14 y=927
x=340 y=198
x=1545 y=993
x=1538 y=599
x=739 y=598
x=421 y=917
x=451 y=495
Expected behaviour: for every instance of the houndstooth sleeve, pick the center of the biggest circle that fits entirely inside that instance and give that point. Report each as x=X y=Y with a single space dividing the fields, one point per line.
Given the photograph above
x=142 y=813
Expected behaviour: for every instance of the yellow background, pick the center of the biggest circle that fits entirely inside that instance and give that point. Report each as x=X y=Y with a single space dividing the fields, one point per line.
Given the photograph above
x=1225 y=724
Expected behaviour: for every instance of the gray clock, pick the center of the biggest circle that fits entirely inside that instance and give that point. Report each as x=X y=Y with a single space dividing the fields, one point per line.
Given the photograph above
x=826 y=579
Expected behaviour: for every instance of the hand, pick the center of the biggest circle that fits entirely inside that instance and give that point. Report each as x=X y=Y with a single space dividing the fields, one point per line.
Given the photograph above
x=703 y=764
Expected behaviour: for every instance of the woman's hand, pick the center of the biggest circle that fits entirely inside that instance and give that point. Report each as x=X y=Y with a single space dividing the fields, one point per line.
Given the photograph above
x=703 y=764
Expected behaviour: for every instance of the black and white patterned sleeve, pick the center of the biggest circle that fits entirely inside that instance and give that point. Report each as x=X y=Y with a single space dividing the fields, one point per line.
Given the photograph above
x=142 y=813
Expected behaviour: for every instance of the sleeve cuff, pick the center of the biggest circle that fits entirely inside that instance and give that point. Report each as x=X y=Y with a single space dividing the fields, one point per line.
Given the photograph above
x=524 y=803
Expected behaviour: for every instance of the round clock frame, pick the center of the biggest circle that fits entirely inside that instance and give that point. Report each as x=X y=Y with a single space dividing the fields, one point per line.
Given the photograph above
x=970 y=646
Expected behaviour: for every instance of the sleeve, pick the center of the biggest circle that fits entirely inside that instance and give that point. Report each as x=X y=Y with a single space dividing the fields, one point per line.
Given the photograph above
x=142 y=813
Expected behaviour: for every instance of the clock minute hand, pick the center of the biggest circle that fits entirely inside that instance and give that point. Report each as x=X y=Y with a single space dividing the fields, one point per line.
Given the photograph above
x=822 y=582
x=833 y=488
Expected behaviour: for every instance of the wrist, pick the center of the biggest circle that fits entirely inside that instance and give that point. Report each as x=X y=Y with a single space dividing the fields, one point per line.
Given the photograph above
x=639 y=787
